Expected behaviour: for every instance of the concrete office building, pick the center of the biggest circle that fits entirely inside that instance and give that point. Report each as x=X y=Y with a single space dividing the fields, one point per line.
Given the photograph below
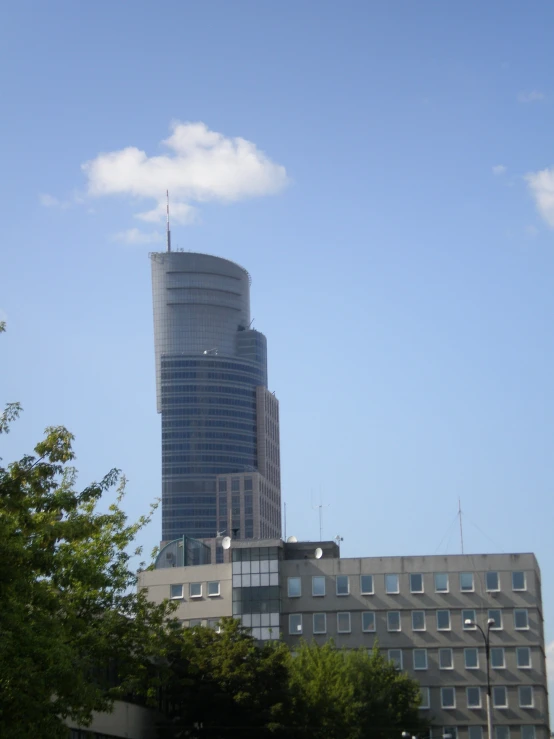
x=415 y=607
x=220 y=423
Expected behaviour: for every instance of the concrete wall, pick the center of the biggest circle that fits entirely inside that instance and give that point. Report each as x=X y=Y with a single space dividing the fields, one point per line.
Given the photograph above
x=158 y=583
x=126 y=720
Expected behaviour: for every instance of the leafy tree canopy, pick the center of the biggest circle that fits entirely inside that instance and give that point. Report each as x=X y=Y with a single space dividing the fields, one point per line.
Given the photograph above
x=68 y=605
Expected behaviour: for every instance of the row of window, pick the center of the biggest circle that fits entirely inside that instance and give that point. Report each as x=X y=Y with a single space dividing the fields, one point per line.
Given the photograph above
x=392 y=583
x=169 y=409
x=235 y=484
x=203 y=363
x=177 y=590
x=473 y=696
x=368 y=622
x=250 y=377
x=479 y=732
x=206 y=446
x=174 y=443
x=175 y=402
x=443 y=620
x=201 y=423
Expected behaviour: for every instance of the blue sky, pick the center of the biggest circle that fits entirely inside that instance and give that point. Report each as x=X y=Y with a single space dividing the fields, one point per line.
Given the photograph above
x=397 y=224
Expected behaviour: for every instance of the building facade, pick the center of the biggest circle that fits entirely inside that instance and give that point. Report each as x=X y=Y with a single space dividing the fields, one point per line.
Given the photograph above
x=220 y=423
x=416 y=609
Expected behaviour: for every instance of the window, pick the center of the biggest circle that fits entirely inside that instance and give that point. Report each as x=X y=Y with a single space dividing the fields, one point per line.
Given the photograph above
x=499 y=696
x=195 y=590
x=395 y=656
x=320 y=623
x=492 y=583
x=527 y=732
x=473 y=697
x=295 y=624
x=469 y=615
x=235 y=485
x=343 y=586
x=448 y=698
x=518 y=581
x=343 y=623
x=213 y=588
x=526 y=696
x=449 y=732
x=497 y=658
x=392 y=584
x=466 y=582
x=366 y=584
x=443 y=620
x=502 y=732
x=416 y=583
x=368 y=621
x=318 y=585
x=523 y=655
x=441 y=582
x=420 y=659
x=175 y=591
x=446 y=659
x=213 y=623
x=424 y=692
x=195 y=622
x=294 y=587
x=521 y=618
x=393 y=620
x=471 y=658
x=418 y=620
x=474 y=732
x=496 y=615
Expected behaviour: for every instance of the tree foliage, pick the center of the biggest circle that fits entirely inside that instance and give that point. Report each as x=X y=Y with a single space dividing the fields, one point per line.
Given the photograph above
x=224 y=685
x=68 y=604
x=351 y=694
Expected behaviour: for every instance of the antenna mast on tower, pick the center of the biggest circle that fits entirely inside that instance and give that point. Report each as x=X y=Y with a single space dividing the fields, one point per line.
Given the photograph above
x=168 y=231
x=461 y=527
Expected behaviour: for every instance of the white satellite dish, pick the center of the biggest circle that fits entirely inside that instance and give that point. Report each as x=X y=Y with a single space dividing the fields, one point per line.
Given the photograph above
x=292 y=540
x=319 y=553
x=226 y=543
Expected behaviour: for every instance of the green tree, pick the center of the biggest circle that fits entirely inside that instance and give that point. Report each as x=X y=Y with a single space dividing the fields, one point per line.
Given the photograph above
x=220 y=685
x=68 y=604
x=351 y=694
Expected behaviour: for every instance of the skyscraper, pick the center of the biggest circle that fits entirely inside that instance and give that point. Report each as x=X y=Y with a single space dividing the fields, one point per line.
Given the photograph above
x=220 y=423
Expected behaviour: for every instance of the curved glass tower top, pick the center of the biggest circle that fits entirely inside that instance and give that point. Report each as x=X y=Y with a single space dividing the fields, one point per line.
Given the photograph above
x=218 y=418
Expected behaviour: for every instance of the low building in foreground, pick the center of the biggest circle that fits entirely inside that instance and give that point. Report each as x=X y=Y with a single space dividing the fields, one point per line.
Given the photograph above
x=424 y=613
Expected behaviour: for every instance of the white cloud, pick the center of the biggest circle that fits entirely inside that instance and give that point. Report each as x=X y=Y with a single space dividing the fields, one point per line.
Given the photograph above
x=200 y=166
x=541 y=185
x=532 y=96
x=49 y=201
x=499 y=169
x=136 y=236
x=180 y=213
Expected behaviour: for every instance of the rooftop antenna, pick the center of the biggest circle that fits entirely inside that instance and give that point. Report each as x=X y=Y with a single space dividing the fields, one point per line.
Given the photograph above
x=461 y=527
x=321 y=507
x=168 y=231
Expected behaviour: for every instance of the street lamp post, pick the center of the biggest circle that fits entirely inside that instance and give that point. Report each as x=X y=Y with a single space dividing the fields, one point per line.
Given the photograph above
x=486 y=637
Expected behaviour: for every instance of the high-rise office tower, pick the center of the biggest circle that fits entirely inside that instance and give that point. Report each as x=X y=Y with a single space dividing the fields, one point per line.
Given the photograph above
x=220 y=423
